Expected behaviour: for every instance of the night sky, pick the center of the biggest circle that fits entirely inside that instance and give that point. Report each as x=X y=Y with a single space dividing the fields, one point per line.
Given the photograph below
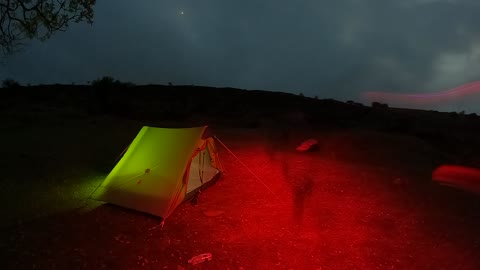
x=330 y=49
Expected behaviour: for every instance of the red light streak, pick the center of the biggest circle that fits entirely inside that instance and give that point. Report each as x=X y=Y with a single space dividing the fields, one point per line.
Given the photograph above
x=425 y=98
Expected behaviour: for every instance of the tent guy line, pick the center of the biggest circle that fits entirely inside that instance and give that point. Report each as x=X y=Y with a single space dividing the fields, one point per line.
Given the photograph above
x=163 y=167
x=248 y=169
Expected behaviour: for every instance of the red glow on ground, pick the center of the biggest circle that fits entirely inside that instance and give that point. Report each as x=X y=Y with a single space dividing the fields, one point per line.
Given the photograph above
x=336 y=211
x=352 y=205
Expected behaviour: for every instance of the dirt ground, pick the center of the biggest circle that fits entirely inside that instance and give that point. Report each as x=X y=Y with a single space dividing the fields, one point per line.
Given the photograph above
x=364 y=201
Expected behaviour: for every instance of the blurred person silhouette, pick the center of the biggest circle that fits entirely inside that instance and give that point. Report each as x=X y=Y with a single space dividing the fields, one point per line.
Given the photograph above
x=288 y=143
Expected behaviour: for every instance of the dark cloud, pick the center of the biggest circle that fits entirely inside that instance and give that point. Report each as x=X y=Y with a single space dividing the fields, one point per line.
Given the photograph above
x=332 y=49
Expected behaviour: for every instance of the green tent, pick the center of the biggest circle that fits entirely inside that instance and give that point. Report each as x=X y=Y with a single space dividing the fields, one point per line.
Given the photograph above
x=160 y=169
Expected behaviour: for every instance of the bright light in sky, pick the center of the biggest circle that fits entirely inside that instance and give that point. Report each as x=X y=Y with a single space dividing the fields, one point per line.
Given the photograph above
x=181 y=12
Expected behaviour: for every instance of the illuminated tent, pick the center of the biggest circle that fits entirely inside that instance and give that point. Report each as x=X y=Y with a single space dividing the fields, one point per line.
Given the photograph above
x=160 y=169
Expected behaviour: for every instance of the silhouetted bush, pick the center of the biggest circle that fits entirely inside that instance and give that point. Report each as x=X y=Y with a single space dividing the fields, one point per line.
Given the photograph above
x=472 y=116
x=10 y=84
x=453 y=114
x=110 y=82
x=104 y=97
x=351 y=102
x=376 y=104
x=101 y=91
x=124 y=84
x=105 y=81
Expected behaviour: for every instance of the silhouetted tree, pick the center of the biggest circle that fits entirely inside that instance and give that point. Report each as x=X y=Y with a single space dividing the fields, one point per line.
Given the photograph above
x=22 y=20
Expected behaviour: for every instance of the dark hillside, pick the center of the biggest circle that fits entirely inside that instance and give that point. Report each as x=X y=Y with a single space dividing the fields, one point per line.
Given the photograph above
x=452 y=132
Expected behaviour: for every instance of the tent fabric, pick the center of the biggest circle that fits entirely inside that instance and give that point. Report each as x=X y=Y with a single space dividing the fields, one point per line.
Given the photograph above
x=159 y=168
